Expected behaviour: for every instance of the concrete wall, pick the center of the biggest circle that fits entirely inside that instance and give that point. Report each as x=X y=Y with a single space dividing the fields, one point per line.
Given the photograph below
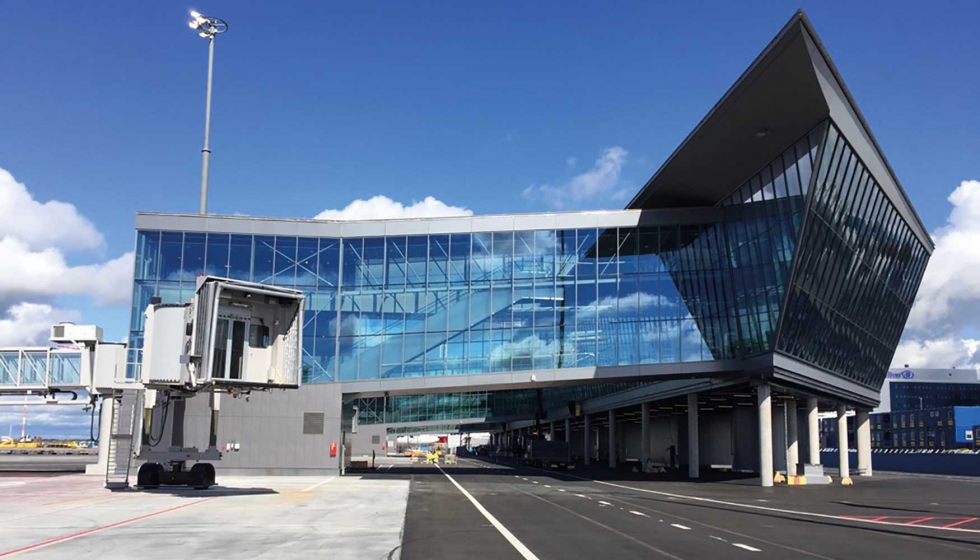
x=269 y=431
x=368 y=439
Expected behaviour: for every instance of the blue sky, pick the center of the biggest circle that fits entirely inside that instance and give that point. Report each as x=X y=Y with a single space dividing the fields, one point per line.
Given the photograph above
x=317 y=104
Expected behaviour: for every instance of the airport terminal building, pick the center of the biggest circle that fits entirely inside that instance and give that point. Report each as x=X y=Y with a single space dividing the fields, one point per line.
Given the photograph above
x=763 y=273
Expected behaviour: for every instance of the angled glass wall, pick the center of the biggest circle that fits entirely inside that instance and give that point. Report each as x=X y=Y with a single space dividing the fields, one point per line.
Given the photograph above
x=859 y=268
x=757 y=242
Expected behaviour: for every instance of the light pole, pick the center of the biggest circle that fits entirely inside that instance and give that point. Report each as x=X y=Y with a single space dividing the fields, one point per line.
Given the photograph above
x=208 y=27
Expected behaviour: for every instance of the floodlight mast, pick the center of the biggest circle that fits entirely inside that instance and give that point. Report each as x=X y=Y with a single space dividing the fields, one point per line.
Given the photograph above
x=208 y=28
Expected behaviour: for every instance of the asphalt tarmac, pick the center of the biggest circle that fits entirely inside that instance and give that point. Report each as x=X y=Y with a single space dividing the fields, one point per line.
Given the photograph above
x=482 y=510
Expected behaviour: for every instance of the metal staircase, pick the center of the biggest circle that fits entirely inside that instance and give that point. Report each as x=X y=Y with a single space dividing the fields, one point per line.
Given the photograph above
x=126 y=408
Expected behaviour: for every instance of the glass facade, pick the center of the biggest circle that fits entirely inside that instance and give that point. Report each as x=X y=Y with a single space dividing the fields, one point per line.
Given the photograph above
x=405 y=306
x=807 y=257
x=520 y=403
x=858 y=270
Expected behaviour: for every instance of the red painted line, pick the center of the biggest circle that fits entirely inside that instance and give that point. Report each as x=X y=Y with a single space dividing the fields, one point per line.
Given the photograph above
x=101 y=528
x=882 y=518
x=920 y=520
x=961 y=522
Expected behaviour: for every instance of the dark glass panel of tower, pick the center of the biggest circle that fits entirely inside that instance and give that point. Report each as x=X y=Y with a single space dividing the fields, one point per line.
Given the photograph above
x=858 y=269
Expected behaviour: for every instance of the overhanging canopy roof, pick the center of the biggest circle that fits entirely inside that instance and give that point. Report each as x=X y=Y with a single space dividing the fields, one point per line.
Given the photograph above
x=789 y=88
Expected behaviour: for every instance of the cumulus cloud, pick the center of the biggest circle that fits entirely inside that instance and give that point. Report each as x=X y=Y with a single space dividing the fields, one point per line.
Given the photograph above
x=948 y=300
x=33 y=239
x=47 y=224
x=381 y=207
x=944 y=352
x=28 y=274
x=28 y=324
x=602 y=180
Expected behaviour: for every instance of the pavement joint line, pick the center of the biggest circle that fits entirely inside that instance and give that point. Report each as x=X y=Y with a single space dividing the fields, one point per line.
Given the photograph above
x=772 y=509
x=517 y=544
x=681 y=527
x=746 y=547
x=99 y=529
x=317 y=485
x=604 y=526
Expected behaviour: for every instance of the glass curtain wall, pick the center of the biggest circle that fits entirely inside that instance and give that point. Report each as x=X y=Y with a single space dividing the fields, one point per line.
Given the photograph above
x=859 y=268
x=758 y=240
x=405 y=306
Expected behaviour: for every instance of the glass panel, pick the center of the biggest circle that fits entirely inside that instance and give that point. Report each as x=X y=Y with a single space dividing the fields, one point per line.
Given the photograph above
x=240 y=257
x=171 y=249
x=264 y=251
x=147 y=255
x=217 y=255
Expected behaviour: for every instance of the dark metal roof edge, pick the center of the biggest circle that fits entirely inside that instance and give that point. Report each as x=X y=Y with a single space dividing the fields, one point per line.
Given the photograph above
x=798 y=17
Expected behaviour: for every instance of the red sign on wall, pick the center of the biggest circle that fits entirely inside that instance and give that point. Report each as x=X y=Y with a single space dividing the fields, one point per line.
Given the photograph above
x=333 y=448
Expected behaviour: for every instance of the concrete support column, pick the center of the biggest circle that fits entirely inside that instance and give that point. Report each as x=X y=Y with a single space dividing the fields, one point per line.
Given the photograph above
x=644 y=433
x=105 y=429
x=813 y=430
x=863 y=424
x=764 y=401
x=551 y=430
x=843 y=445
x=612 y=439
x=693 y=456
x=792 y=438
x=587 y=456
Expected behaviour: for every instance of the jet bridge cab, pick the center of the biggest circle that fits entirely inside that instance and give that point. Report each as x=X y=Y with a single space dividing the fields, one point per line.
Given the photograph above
x=232 y=338
x=233 y=335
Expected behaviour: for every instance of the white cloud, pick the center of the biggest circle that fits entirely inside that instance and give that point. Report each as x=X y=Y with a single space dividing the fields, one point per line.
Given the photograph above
x=945 y=352
x=28 y=274
x=949 y=296
x=948 y=300
x=570 y=162
x=381 y=207
x=28 y=324
x=600 y=181
x=40 y=225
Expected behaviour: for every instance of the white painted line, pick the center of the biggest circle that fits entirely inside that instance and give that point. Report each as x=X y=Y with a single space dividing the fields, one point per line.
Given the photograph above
x=581 y=495
x=671 y=496
x=746 y=547
x=318 y=484
x=518 y=545
x=522 y=478
x=604 y=504
x=561 y=489
x=535 y=481
x=718 y=538
x=12 y=483
x=640 y=513
x=547 y=486
x=679 y=526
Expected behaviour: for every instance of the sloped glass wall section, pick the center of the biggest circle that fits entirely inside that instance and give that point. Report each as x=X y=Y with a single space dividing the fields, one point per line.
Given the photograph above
x=859 y=268
x=752 y=252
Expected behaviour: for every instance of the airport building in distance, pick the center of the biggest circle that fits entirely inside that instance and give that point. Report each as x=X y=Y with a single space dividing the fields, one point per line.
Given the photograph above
x=763 y=273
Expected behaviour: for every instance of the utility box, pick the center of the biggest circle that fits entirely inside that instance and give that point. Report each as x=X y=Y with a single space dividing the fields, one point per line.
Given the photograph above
x=232 y=334
x=70 y=332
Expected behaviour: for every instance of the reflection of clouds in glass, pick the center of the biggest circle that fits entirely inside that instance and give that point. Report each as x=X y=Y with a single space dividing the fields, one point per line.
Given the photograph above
x=527 y=348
